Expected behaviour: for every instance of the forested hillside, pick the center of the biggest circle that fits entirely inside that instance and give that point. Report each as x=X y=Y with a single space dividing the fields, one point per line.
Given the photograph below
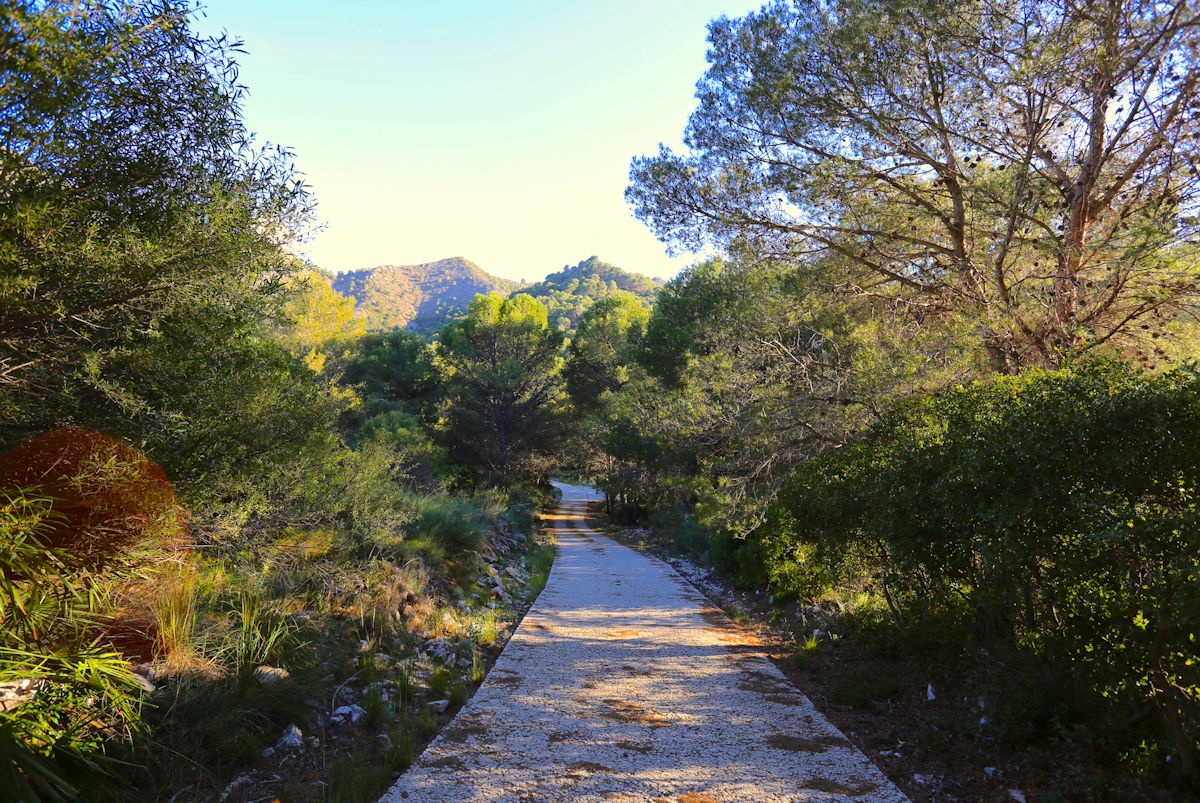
x=422 y=298
x=569 y=293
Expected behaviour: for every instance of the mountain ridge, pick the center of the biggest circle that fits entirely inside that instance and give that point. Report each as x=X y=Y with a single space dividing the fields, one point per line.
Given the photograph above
x=425 y=297
x=422 y=297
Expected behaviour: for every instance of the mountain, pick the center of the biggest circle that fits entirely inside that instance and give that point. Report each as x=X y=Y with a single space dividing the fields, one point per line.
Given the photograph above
x=569 y=293
x=418 y=297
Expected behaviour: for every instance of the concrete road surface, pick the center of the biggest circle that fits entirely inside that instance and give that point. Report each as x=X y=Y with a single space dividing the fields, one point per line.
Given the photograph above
x=623 y=683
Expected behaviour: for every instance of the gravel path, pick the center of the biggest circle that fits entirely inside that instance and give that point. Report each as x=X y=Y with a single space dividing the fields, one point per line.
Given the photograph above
x=623 y=683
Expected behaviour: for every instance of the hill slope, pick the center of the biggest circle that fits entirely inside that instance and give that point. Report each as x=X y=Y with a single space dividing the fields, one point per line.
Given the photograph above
x=418 y=297
x=568 y=293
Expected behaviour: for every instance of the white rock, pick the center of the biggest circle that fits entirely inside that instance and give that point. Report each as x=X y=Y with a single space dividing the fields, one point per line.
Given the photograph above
x=293 y=739
x=920 y=779
x=929 y=695
x=15 y=692
x=989 y=771
x=1017 y=795
x=439 y=705
x=353 y=713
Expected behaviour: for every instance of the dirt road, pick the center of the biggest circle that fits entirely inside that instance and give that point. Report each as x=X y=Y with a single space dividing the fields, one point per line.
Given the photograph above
x=623 y=683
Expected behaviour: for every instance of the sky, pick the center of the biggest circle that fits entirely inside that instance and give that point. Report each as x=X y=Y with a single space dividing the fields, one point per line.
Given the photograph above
x=496 y=130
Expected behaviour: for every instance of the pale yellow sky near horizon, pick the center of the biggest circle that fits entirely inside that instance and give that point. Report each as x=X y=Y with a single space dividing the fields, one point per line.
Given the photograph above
x=499 y=132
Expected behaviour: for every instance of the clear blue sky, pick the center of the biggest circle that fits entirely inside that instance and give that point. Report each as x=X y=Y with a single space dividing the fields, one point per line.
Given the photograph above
x=496 y=130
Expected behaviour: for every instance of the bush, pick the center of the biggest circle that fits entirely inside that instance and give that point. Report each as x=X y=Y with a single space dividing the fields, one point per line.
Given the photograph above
x=1061 y=506
x=692 y=539
x=452 y=524
x=106 y=498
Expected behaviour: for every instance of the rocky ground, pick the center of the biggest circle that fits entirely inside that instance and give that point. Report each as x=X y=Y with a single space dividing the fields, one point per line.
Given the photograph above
x=397 y=693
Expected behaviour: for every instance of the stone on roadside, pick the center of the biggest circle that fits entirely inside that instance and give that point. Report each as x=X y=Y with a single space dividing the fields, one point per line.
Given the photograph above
x=292 y=739
x=144 y=683
x=351 y=713
x=15 y=692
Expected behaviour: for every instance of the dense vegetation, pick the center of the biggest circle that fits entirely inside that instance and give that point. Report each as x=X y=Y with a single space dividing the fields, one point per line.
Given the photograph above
x=569 y=292
x=942 y=373
x=932 y=377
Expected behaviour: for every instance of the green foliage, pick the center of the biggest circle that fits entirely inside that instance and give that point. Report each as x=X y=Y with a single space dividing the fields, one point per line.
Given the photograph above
x=1060 y=506
x=393 y=370
x=599 y=356
x=453 y=524
x=502 y=412
x=319 y=322
x=258 y=636
x=138 y=225
x=540 y=563
x=572 y=291
x=692 y=539
x=1019 y=165
x=81 y=692
x=748 y=369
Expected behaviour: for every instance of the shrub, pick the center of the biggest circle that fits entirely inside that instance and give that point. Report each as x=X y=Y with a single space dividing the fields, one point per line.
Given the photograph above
x=1061 y=506
x=452 y=524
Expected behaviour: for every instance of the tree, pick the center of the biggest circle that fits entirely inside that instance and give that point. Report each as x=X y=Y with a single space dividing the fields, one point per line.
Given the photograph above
x=603 y=347
x=137 y=222
x=504 y=391
x=570 y=292
x=320 y=321
x=393 y=370
x=1027 y=166
x=747 y=370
